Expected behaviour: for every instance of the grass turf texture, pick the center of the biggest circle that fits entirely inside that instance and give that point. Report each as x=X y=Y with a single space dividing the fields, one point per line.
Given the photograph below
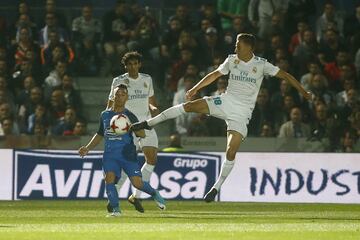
x=183 y=220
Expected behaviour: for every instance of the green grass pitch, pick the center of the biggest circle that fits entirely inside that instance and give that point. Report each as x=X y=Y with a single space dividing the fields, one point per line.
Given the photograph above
x=183 y=220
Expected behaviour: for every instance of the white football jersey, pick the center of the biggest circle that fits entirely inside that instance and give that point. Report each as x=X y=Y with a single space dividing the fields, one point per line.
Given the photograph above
x=245 y=78
x=139 y=90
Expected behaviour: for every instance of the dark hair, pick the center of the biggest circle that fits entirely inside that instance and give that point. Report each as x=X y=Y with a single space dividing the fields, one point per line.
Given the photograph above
x=247 y=38
x=122 y=86
x=130 y=56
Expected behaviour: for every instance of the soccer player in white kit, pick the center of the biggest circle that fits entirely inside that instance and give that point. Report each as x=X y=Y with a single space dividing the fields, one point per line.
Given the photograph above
x=142 y=103
x=246 y=72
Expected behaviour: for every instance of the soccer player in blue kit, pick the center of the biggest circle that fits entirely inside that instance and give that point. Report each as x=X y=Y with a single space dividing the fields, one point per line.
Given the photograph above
x=119 y=153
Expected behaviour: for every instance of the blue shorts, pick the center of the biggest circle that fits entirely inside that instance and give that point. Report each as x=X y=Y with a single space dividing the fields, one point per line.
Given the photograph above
x=116 y=164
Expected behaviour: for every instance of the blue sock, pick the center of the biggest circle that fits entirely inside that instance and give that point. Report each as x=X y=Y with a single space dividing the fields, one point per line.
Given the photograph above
x=148 y=189
x=113 y=195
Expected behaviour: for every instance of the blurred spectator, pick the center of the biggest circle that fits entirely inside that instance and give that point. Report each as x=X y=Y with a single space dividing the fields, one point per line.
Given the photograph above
x=116 y=26
x=8 y=94
x=186 y=40
x=182 y=123
x=208 y=12
x=229 y=9
x=52 y=26
x=40 y=130
x=295 y=128
x=347 y=142
x=354 y=120
x=332 y=69
x=212 y=47
x=28 y=107
x=72 y=95
x=23 y=22
x=145 y=38
x=352 y=24
x=179 y=67
x=39 y=116
x=221 y=85
x=7 y=127
x=277 y=99
x=331 y=44
x=262 y=113
x=55 y=51
x=23 y=44
x=191 y=69
x=299 y=11
x=80 y=128
x=198 y=127
x=328 y=19
x=352 y=104
x=283 y=115
x=175 y=144
x=318 y=86
x=260 y=12
x=24 y=94
x=313 y=68
x=65 y=125
x=5 y=113
x=341 y=97
x=86 y=28
x=50 y=8
x=298 y=37
x=86 y=31
x=275 y=27
x=323 y=126
x=170 y=37
x=57 y=106
x=267 y=130
x=55 y=78
x=183 y=15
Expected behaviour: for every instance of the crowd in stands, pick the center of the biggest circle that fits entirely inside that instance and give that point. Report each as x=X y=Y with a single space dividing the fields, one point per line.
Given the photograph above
x=39 y=59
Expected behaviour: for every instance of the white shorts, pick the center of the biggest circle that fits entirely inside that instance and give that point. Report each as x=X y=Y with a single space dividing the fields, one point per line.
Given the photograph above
x=225 y=107
x=150 y=140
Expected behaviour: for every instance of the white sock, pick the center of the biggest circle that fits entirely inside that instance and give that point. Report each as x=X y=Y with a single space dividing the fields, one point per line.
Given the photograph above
x=146 y=172
x=169 y=113
x=121 y=181
x=226 y=168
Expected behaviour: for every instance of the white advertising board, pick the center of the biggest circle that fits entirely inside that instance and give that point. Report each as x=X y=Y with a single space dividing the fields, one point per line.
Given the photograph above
x=6 y=174
x=294 y=177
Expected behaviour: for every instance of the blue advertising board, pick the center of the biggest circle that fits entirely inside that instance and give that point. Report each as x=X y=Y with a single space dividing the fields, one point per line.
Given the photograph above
x=64 y=175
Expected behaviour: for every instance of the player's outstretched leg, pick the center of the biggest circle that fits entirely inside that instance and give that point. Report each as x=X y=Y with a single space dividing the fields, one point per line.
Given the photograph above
x=112 y=194
x=233 y=143
x=169 y=113
x=145 y=187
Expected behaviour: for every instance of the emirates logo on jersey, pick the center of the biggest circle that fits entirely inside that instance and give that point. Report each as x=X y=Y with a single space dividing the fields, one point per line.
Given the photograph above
x=254 y=70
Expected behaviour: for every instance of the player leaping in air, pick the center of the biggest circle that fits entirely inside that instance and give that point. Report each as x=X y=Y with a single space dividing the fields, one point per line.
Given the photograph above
x=119 y=153
x=246 y=72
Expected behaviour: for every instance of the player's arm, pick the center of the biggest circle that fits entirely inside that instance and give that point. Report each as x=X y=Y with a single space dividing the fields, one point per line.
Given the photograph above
x=153 y=106
x=95 y=140
x=208 y=79
x=290 y=79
